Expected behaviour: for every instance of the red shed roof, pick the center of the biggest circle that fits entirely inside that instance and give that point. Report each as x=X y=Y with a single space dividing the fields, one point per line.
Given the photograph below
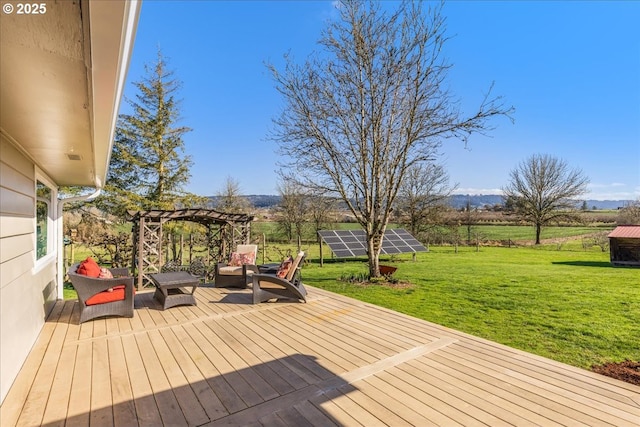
x=626 y=231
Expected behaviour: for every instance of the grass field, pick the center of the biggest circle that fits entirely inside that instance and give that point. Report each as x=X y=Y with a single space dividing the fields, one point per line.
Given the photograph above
x=524 y=233
x=569 y=305
x=484 y=232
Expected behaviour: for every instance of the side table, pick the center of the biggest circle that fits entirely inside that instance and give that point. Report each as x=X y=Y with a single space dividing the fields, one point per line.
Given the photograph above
x=270 y=268
x=169 y=288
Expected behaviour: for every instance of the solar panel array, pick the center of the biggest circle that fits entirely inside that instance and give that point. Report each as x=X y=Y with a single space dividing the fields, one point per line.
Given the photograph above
x=352 y=243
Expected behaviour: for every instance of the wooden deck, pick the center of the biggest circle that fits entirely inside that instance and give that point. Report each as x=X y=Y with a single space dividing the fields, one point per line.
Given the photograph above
x=332 y=361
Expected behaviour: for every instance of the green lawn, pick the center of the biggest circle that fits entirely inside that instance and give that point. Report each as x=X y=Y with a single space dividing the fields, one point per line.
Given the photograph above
x=569 y=305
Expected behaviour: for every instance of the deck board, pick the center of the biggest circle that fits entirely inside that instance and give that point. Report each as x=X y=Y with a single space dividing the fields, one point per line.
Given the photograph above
x=33 y=409
x=56 y=408
x=124 y=413
x=332 y=361
x=165 y=397
x=315 y=416
x=80 y=394
x=497 y=391
x=570 y=391
x=144 y=402
x=204 y=355
x=283 y=378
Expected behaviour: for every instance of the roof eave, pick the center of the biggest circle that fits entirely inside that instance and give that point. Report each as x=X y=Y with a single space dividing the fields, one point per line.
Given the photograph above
x=112 y=26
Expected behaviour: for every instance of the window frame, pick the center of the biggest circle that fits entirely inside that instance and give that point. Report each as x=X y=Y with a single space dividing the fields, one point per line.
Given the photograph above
x=51 y=232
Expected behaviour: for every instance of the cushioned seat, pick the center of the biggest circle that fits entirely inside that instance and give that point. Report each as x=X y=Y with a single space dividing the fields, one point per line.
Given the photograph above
x=102 y=291
x=231 y=270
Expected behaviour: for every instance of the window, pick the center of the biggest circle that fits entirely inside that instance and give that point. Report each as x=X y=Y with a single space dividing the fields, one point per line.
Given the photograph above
x=43 y=222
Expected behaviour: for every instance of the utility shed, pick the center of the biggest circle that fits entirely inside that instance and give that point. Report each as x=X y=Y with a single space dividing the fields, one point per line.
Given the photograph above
x=624 y=244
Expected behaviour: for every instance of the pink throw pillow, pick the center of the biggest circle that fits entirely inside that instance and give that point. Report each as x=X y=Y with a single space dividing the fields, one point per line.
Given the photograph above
x=284 y=268
x=235 y=260
x=248 y=258
x=238 y=259
x=105 y=273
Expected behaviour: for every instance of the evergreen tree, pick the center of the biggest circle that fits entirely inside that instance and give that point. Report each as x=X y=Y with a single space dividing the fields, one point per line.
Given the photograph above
x=148 y=167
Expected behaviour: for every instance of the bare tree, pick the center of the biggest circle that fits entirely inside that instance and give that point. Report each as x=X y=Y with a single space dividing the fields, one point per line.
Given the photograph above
x=230 y=198
x=469 y=217
x=542 y=190
x=292 y=210
x=321 y=212
x=422 y=198
x=599 y=239
x=630 y=214
x=374 y=104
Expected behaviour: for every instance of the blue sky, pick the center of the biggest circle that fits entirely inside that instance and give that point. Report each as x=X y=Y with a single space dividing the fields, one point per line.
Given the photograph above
x=571 y=70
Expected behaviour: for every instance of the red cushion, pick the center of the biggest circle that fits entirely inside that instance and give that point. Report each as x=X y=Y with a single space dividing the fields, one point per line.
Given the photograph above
x=89 y=268
x=117 y=294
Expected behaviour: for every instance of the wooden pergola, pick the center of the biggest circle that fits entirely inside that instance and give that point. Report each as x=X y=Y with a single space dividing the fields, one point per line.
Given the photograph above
x=224 y=232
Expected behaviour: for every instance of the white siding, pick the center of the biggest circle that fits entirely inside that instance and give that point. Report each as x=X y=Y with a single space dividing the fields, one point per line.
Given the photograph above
x=27 y=290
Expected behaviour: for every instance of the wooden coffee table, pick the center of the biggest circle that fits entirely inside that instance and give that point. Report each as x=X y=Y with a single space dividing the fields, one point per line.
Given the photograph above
x=172 y=288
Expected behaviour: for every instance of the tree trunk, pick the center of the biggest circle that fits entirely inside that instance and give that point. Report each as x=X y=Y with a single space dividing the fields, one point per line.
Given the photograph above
x=374 y=254
x=538 y=229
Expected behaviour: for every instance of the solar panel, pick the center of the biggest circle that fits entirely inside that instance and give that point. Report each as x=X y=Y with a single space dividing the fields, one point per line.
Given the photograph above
x=352 y=243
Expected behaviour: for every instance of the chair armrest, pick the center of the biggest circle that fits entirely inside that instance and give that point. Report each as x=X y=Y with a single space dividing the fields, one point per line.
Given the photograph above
x=218 y=267
x=252 y=267
x=120 y=272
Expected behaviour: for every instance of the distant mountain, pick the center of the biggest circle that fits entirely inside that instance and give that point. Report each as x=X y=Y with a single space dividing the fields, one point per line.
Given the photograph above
x=608 y=204
x=263 y=200
x=257 y=200
x=457 y=201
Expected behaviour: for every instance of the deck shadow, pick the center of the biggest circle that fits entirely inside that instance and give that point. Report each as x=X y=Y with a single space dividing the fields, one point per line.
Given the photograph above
x=289 y=388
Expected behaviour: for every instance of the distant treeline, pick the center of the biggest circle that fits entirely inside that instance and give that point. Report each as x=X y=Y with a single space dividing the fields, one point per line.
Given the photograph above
x=457 y=201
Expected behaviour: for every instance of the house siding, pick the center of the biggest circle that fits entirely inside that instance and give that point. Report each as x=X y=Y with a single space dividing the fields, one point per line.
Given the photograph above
x=27 y=288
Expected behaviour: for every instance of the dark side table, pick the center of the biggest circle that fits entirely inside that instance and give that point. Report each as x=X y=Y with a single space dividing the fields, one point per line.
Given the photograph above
x=172 y=288
x=271 y=268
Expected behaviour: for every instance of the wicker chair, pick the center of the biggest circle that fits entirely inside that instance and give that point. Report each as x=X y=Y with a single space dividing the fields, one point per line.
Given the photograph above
x=236 y=276
x=87 y=287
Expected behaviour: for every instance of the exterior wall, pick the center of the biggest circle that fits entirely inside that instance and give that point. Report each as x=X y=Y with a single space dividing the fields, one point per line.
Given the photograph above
x=27 y=287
